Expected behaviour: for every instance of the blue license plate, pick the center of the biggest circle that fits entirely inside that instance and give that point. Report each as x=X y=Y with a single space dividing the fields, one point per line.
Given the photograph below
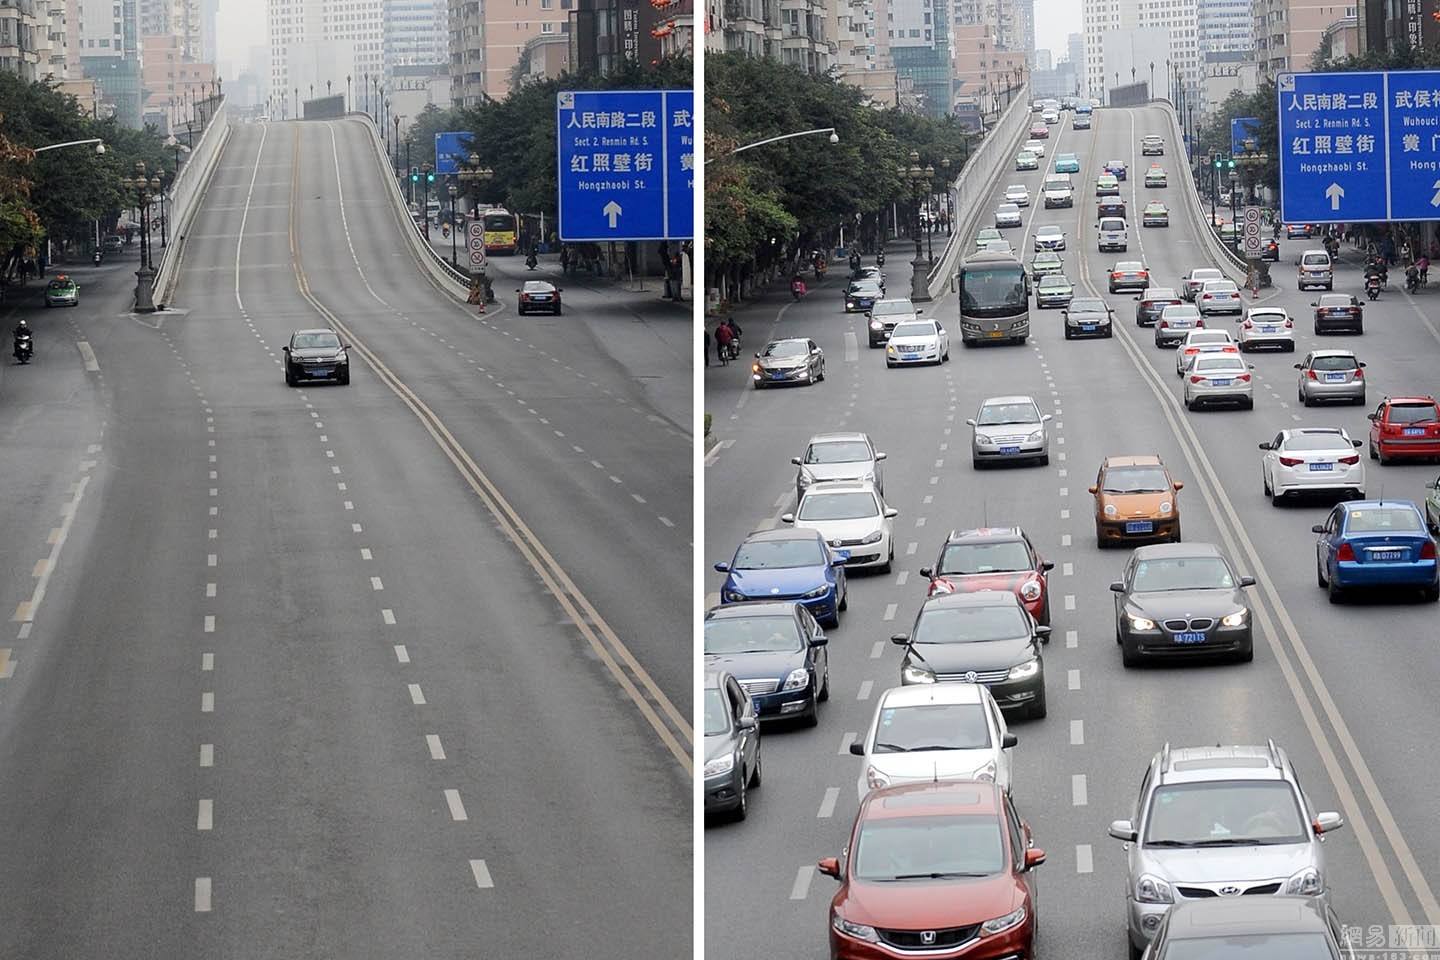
x=1009 y=449
x=320 y=372
x=1322 y=467
x=1220 y=383
x=1139 y=526
x=1387 y=556
x=1088 y=327
x=1269 y=329
x=1414 y=431
x=1189 y=638
x=1334 y=378
x=777 y=375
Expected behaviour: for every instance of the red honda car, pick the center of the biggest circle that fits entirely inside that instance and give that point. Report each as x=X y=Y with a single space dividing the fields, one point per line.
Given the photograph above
x=1405 y=427
x=993 y=558
x=942 y=870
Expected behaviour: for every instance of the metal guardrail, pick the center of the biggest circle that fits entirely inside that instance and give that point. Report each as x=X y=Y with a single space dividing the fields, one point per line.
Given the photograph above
x=1227 y=260
x=185 y=195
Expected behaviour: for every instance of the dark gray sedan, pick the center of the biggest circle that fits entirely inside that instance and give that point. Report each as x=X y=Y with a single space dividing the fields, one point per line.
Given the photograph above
x=732 y=745
x=1088 y=317
x=793 y=360
x=1181 y=599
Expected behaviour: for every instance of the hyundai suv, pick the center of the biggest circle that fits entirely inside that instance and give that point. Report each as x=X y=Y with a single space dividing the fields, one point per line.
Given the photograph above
x=1222 y=821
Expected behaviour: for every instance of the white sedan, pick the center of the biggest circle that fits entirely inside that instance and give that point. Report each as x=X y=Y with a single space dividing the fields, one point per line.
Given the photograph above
x=1018 y=194
x=1217 y=378
x=1007 y=215
x=851 y=515
x=1049 y=237
x=918 y=341
x=935 y=731
x=1036 y=147
x=1267 y=327
x=1202 y=341
x=1312 y=460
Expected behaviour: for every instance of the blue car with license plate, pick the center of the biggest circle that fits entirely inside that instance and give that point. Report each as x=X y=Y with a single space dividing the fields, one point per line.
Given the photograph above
x=1375 y=543
x=778 y=653
x=1067 y=163
x=788 y=564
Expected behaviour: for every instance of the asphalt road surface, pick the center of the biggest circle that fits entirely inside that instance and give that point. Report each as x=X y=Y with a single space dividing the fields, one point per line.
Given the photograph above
x=1347 y=690
x=379 y=670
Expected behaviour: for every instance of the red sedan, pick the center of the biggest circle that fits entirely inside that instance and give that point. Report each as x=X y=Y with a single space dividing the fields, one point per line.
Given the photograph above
x=941 y=868
x=1405 y=427
x=993 y=558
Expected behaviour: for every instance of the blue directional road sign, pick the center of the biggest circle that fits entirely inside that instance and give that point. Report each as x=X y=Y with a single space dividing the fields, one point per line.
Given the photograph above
x=451 y=149
x=1242 y=129
x=626 y=164
x=1358 y=147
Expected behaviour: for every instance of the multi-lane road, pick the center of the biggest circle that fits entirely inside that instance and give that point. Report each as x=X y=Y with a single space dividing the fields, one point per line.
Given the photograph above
x=380 y=670
x=1347 y=690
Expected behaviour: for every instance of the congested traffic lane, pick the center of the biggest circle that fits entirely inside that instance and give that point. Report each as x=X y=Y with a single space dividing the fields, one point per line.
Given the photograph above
x=1078 y=769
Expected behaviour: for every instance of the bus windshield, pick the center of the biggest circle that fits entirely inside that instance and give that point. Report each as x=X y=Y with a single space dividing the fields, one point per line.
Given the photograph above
x=997 y=291
x=497 y=222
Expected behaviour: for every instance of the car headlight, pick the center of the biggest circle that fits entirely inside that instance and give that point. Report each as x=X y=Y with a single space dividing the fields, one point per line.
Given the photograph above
x=982 y=438
x=720 y=765
x=1024 y=670
x=733 y=596
x=1141 y=623
x=1236 y=619
x=1167 y=508
x=916 y=673
x=817 y=593
x=890 y=348
x=798 y=679
x=1000 y=924
x=1031 y=590
x=1306 y=883
x=985 y=773
x=1151 y=889
x=875 y=780
x=877 y=325
x=860 y=931
x=1110 y=510
x=1035 y=437
x=873 y=538
x=805 y=479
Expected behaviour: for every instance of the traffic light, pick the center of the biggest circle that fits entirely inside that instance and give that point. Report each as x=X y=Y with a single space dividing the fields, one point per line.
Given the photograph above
x=414 y=174
x=430 y=176
x=1218 y=161
x=1230 y=164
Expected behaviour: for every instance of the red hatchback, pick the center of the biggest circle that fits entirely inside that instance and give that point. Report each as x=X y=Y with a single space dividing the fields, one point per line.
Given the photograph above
x=1405 y=427
x=940 y=870
x=993 y=558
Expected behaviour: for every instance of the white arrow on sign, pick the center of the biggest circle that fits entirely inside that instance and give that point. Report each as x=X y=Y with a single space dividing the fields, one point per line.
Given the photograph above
x=1435 y=200
x=1333 y=193
x=612 y=212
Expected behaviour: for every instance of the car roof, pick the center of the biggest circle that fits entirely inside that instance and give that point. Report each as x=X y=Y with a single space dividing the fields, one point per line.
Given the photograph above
x=1245 y=917
x=1333 y=352
x=1177 y=551
x=1049 y=228
x=1134 y=460
x=786 y=340
x=1158 y=292
x=840 y=486
x=298 y=333
x=1047 y=254
x=1352 y=505
x=917 y=694
x=1416 y=400
x=1013 y=398
x=1224 y=280
x=1253 y=310
x=839 y=436
x=977 y=598
x=1129 y=265
x=1313 y=431
x=946 y=797
x=987 y=534
x=539 y=284
x=783 y=533
x=752 y=608
x=890 y=300
x=1222 y=762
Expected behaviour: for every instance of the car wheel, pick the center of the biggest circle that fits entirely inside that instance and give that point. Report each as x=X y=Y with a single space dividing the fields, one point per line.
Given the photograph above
x=1067 y=334
x=1249 y=403
x=811 y=716
x=889 y=561
x=1301 y=398
x=1192 y=405
x=758 y=384
x=1037 y=706
x=825 y=683
x=1432 y=593
x=1246 y=653
x=289 y=378
x=1373 y=454
x=345 y=377
x=1290 y=347
x=1335 y=591
x=742 y=805
x=1384 y=459
x=821 y=376
x=844 y=604
x=1320 y=575
x=755 y=774
x=1109 y=333
x=888 y=364
x=1317 y=329
x=1176 y=538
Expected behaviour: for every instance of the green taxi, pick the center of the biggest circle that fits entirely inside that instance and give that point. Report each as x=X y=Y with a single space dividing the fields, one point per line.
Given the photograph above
x=62 y=292
x=1046 y=262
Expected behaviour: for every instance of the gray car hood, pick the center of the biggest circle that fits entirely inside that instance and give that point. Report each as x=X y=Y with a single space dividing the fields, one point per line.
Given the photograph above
x=1238 y=865
x=1166 y=604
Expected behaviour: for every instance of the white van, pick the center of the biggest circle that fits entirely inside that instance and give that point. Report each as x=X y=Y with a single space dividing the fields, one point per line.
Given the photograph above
x=1113 y=235
x=1315 y=270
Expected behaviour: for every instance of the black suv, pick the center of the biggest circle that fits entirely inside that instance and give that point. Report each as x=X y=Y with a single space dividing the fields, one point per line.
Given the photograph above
x=316 y=355
x=1109 y=207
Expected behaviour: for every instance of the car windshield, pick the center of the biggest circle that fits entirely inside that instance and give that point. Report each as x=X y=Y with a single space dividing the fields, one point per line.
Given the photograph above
x=838 y=506
x=890 y=308
x=1046 y=259
x=1271 y=946
x=931 y=726
x=308 y=340
x=970 y=624
x=989 y=233
x=1002 y=556
x=1383 y=520
x=1221 y=364
x=1136 y=480
x=928 y=848
x=1412 y=412
x=777 y=554
x=1181 y=573
x=865 y=288
x=1332 y=363
x=1048 y=233
x=717 y=717
x=1220 y=286
x=1315 y=259
x=838 y=451
x=1130 y=266
x=993 y=291
x=913 y=328
x=1264 y=315
x=1317 y=441
x=1087 y=306
x=993 y=413
x=1054 y=281
x=1224 y=812
x=1180 y=311
x=730 y=635
x=786 y=348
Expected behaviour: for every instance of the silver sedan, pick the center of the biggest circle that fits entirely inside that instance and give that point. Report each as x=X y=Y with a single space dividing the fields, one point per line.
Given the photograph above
x=1009 y=429
x=1219 y=378
x=794 y=360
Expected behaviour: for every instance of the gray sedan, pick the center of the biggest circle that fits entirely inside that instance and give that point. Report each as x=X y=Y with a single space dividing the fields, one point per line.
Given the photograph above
x=1330 y=375
x=1088 y=317
x=732 y=746
x=794 y=360
x=1009 y=429
x=1181 y=599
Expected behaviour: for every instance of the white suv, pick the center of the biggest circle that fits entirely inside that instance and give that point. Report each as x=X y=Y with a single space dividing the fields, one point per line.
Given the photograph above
x=1315 y=270
x=1267 y=327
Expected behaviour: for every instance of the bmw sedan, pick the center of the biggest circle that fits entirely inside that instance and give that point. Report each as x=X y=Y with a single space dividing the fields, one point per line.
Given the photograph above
x=778 y=653
x=794 y=360
x=1180 y=600
x=1009 y=429
x=316 y=355
x=851 y=516
x=1088 y=317
x=788 y=564
x=917 y=341
x=1312 y=460
x=1375 y=543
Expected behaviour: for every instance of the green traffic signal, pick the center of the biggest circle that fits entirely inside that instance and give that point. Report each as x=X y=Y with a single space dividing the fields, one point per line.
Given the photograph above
x=430 y=177
x=1230 y=163
x=414 y=175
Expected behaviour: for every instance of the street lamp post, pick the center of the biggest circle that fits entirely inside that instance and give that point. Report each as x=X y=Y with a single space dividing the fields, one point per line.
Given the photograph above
x=834 y=138
x=365 y=85
x=144 y=188
x=1251 y=161
x=949 y=207
x=454 y=227
x=1234 y=194
x=409 y=186
x=472 y=178
x=347 y=93
x=1152 y=80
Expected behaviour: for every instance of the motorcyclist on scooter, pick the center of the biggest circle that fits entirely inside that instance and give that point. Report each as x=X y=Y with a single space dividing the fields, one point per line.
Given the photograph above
x=23 y=338
x=531 y=259
x=797 y=286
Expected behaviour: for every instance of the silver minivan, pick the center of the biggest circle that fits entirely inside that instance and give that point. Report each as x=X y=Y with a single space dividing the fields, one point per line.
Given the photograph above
x=1315 y=270
x=1113 y=234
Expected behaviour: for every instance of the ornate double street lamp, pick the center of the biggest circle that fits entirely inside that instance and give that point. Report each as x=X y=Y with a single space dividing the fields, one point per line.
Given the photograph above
x=454 y=225
x=949 y=204
x=920 y=180
x=1251 y=161
x=145 y=188
x=473 y=178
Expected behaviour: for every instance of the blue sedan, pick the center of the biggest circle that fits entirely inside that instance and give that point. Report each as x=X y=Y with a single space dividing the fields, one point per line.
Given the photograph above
x=1067 y=163
x=1375 y=543
x=788 y=564
x=778 y=653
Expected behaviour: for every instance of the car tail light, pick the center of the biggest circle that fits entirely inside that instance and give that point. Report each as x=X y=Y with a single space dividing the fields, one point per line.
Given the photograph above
x=1351 y=460
x=1248 y=325
x=1229 y=348
x=1291 y=461
x=1346 y=552
x=1358 y=373
x=1196 y=378
x=1312 y=375
x=524 y=297
x=1289 y=323
x=1116 y=275
x=1164 y=324
x=1200 y=322
x=1427 y=552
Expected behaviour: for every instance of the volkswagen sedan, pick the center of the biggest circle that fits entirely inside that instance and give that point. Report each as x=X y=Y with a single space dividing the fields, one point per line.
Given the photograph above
x=851 y=516
x=1054 y=290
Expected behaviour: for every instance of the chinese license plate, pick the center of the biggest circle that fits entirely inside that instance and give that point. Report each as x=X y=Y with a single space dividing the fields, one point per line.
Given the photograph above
x=320 y=372
x=1414 y=431
x=1220 y=383
x=997 y=333
x=1189 y=638
x=1334 y=378
x=1322 y=466
x=1088 y=327
x=1139 y=526
x=1267 y=329
x=1387 y=556
x=1009 y=449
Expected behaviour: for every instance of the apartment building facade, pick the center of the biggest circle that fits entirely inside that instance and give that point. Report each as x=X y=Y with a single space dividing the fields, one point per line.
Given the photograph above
x=1121 y=45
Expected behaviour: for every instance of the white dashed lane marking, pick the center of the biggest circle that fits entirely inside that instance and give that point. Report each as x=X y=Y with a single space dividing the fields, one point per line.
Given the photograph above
x=800 y=889
x=1084 y=858
x=827 y=805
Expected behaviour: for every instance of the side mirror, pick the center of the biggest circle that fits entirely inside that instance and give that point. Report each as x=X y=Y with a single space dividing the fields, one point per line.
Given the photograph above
x=891 y=512
x=1355 y=443
x=1328 y=821
x=722 y=566
x=1092 y=489
x=1034 y=857
x=829 y=866
x=1314 y=303
x=1373 y=416
x=1247 y=581
x=900 y=639
x=1318 y=528
x=971 y=421
x=1046 y=416
x=857 y=748
x=757 y=356
x=796 y=460
x=879 y=456
x=1122 y=830
x=1117 y=586
x=1264 y=446
x=1047 y=565
x=1301 y=366
x=1360 y=362
x=842 y=557
x=918 y=312
x=927 y=572
x=747 y=722
x=1043 y=632
x=1064 y=312
x=1178 y=485
x=787 y=518
x=285 y=349
x=1008 y=741
x=819 y=640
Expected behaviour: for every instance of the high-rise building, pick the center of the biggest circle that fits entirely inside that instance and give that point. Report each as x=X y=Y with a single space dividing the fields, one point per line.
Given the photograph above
x=919 y=35
x=1224 y=26
x=1112 y=30
x=604 y=34
x=33 y=39
x=1288 y=32
x=489 y=37
x=108 y=44
x=310 y=44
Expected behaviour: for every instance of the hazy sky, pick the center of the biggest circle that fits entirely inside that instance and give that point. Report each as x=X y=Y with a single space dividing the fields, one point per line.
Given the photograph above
x=1054 y=21
x=240 y=25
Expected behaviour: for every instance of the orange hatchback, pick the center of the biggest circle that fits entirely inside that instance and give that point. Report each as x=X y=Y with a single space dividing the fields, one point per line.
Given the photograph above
x=1135 y=502
x=943 y=871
